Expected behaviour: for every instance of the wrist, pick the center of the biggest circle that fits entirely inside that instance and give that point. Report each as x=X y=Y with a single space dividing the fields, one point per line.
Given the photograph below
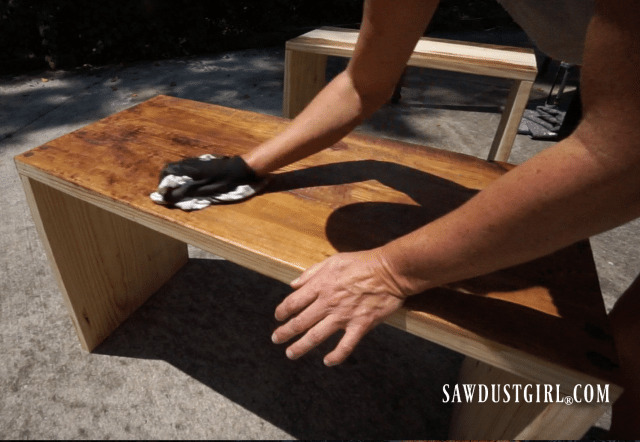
x=254 y=164
x=389 y=274
x=394 y=263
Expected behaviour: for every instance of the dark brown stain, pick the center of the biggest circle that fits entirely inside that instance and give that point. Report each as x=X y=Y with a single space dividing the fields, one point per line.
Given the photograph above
x=184 y=141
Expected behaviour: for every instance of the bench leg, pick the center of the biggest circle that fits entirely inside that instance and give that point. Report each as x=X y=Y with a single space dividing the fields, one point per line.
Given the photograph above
x=106 y=265
x=516 y=420
x=510 y=121
x=304 y=77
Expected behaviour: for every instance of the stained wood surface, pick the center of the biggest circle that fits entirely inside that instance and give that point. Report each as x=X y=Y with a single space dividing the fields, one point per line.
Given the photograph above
x=544 y=321
x=474 y=58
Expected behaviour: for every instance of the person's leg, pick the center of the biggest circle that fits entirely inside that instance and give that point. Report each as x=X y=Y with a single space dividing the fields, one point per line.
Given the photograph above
x=625 y=322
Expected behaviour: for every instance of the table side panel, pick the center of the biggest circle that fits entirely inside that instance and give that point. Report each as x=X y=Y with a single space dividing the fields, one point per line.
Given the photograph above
x=106 y=265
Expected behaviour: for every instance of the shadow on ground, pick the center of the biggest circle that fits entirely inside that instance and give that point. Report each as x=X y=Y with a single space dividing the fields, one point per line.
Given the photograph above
x=249 y=80
x=211 y=323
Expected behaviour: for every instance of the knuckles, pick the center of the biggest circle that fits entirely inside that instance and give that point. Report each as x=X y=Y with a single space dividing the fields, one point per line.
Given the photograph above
x=296 y=326
x=314 y=337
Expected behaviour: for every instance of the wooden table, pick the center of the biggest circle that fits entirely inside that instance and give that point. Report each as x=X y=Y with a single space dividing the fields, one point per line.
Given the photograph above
x=111 y=247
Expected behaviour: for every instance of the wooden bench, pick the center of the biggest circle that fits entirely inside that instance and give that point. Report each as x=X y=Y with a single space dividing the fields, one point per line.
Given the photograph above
x=306 y=59
x=111 y=247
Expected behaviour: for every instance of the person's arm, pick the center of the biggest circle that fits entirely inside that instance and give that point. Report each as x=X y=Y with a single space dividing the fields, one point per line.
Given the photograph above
x=582 y=186
x=388 y=35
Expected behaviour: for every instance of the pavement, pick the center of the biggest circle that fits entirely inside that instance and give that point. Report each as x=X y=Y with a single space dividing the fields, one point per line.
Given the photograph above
x=196 y=361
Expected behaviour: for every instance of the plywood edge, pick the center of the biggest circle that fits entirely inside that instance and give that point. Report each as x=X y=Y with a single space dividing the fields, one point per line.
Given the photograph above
x=499 y=355
x=251 y=259
x=42 y=234
x=460 y=56
x=321 y=46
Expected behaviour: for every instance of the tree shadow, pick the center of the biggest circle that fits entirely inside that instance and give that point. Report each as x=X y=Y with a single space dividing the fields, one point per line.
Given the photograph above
x=369 y=224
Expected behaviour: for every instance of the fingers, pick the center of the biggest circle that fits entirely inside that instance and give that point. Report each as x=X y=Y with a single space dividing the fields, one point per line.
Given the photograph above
x=345 y=347
x=295 y=303
x=344 y=292
x=306 y=275
x=321 y=332
x=300 y=299
x=311 y=314
x=311 y=339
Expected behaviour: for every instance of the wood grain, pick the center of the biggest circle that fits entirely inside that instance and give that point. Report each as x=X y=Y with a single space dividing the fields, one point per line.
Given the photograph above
x=543 y=321
x=304 y=77
x=106 y=265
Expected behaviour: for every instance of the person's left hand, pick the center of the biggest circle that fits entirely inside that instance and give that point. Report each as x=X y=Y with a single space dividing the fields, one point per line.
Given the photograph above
x=349 y=291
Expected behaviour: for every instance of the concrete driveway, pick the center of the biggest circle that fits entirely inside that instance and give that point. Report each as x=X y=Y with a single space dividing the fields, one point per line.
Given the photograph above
x=196 y=361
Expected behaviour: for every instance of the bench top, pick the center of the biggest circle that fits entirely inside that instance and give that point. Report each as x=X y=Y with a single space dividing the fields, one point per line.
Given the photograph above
x=544 y=320
x=474 y=58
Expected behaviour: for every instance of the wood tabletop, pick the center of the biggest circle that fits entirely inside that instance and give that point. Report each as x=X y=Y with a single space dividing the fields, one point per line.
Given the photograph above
x=544 y=320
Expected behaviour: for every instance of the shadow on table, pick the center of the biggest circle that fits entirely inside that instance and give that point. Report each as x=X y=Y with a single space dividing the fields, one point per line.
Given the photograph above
x=369 y=224
x=524 y=307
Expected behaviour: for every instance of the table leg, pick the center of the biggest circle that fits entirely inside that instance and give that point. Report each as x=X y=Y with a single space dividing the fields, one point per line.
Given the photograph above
x=304 y=77
x=106 y=265
x=516 y=420
x=510 y=121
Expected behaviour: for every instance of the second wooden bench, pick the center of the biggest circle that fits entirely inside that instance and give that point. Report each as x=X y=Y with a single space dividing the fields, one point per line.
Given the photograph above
x=306 y=59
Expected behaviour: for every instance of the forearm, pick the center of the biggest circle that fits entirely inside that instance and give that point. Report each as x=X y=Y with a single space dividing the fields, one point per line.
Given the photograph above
x=584 y=185
x=388 y=35
x=321 y=124
x=565 y=194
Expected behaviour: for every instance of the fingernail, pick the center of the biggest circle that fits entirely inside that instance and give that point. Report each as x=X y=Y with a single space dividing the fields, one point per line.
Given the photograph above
x=290 y=354
x=328 y=364
x=295 y=281
x=274 y=339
